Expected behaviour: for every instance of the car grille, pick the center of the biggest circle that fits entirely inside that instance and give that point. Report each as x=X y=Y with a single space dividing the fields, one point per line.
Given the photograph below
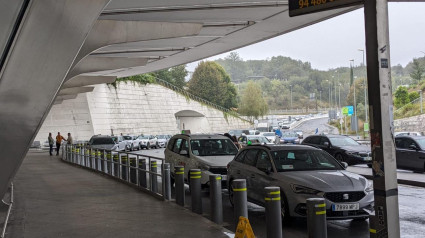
x=330 y=213
x=222 y=171
x=339 y=196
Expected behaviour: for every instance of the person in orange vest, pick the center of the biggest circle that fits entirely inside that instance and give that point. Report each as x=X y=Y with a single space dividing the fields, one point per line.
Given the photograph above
x=59 y=139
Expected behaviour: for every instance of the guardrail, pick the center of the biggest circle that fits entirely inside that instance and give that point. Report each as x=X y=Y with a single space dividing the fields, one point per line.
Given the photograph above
x=10 y=204
x=138 y=170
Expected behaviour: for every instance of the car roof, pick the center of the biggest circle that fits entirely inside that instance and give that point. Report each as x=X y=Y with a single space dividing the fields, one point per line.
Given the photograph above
x=101 y=136
x=205 y=136
x=329 y=135
x=278 y=147
x=411 y=137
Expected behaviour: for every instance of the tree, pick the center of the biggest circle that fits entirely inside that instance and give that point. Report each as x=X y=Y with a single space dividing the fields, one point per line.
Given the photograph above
x=401 y=96
x=178 y=75
x=360 y=87
x=413 y=96
x=417 y=70
x=253 y=104
x=211 y=82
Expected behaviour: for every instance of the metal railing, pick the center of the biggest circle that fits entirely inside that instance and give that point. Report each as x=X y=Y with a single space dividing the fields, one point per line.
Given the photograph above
x=131 y=168
x=196 y=98
x=10 y=204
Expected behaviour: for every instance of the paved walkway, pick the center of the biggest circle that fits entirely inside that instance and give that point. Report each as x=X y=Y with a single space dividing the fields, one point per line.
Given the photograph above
x=55 y=199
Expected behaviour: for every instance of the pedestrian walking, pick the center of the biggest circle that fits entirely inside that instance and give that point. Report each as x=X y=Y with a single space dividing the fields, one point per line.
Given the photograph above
x=51 y=142
x=59 y=139
x=69 y=139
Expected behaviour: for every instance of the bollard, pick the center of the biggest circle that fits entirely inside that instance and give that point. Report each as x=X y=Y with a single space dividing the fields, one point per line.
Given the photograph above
x=240 y=198
x=115 y=165
x=195 y=190
x=133 y=173
x=142 y=173
x=166 y=180
x=316 y=218
x=153 y=177
x=123 y=165
x=372 y=226
x=109 y=162
x=179 y=181
x=273 y=212
x=216 y=199
x=98 y=160
x=92 y=158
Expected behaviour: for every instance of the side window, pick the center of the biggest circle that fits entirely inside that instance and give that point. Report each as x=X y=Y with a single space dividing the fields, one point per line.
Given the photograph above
x=177 y=144
x=263 y=161
x=323 y=140
x=315 y=140
x=170 y=144
x=250 y=157
x=398 y=143
x=240 y=156
x=184 y=145
x=411 y=143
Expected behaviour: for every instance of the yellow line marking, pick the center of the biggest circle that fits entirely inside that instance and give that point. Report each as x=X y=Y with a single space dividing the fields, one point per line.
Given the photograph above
x=239 y=189
x=179 y=172
x=273 y=193
x=321 y=213
x=195 y=172
x=320 y=205
x=372 y=231
x=272 y=199
x=195 y=177
x=218 y=178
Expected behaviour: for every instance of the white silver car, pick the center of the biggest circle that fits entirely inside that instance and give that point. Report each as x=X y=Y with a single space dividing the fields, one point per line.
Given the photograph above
x=271 y=136
x=210 y=153
x=133 y=142
x=246 y=140
x=120 y=142
x=163 y=140
x=302 y=172
x=148 y=142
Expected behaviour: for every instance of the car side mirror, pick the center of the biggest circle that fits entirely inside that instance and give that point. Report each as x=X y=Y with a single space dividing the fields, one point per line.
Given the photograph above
x=344 y=164
x=413 y=147
x=184 y=152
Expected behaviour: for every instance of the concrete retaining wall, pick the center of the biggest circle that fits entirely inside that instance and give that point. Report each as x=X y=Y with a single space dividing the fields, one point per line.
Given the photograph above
x=134 y=109
x=415 y=123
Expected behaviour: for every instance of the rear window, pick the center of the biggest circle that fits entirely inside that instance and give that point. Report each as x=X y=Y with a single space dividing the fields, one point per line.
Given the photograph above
x=102 y=141
x=127 y=138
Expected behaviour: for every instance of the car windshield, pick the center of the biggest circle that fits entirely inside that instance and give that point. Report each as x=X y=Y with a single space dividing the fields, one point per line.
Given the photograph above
x=258 y=139
x=342 y=141
x=301 y=160
x=421 y=142
x=236 y=132
x=269 y=134
x=291 y=134
x=213 y=147
x=102 y=141
x=162 y=137
x=127 y=138
x=143 y=137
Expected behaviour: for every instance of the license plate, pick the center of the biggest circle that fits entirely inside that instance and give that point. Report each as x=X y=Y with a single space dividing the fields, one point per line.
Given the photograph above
x=367 y=158
x=345 y=207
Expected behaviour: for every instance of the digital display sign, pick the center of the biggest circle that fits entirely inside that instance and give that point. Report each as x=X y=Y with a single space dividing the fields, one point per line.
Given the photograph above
x=301 y=7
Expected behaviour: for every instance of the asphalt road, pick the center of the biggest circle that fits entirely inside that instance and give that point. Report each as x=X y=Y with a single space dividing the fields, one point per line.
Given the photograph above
x=412 y=211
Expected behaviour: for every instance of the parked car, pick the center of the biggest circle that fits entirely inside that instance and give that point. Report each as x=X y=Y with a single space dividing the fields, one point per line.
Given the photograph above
x=238 y=132
x=102 y=142
x=302 y=172
x=271 y=136
x=289 y=137
x=408 y=133
x=342 y=148
x=148 y=142
x=133 y=142
x=253 y=139
x=254 y=132
x=285 y=124
x=410 y=153
x=163 y=140
x=210 y=153
x=300 y=134
x=121 y=143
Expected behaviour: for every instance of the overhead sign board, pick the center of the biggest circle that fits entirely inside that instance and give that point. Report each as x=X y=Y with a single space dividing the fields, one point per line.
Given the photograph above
x=301 y=7
x=345 y=111
x=350 y=110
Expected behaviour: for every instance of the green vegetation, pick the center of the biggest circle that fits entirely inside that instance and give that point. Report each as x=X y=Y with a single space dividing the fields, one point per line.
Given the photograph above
x=210 y=81
x=253 y=104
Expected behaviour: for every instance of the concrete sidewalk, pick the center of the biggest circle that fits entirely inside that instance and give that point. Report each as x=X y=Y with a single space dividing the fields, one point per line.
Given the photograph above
x=55 y=199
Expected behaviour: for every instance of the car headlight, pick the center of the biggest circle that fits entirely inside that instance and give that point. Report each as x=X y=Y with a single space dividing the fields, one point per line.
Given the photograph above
x=369 y=187
x=304 y=190
x=353 y=153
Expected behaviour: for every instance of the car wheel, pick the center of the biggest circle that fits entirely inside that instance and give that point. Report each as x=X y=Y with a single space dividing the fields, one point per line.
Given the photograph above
x=156 y=145
x=132 y=147
x=231 y=193
x=148 y=146
x=284 y=211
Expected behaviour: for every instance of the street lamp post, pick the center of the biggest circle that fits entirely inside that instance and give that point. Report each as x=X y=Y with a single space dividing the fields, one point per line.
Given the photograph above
x=320 y=96
x=355 y=106
x=365 y=94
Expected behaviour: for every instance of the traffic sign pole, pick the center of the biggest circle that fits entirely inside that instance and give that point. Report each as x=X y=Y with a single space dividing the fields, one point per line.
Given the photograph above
x=385 y=223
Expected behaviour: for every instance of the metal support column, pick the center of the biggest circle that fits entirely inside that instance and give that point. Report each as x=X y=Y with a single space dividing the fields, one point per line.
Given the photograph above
x=273 y=212
x=381 y=120
x=216 y=199
x=179 y=181
x=316 y=218
x=154 y=177
x=195 y=190
x=166 y=181
x=240 y=198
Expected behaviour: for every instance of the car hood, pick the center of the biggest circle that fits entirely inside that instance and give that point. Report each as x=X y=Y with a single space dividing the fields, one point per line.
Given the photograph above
x=216 y=161
x=326 y=181
x=162 y=140
x=356 y=148
x=103 y=146
x=144 y=140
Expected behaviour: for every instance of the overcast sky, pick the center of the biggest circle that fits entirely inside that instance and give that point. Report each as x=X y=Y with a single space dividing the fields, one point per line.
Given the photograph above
x=343 y=36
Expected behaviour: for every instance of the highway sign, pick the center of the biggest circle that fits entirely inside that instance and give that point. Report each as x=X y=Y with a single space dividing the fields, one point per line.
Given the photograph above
x=345 y=111
x=350 y=110
x=301 y=7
